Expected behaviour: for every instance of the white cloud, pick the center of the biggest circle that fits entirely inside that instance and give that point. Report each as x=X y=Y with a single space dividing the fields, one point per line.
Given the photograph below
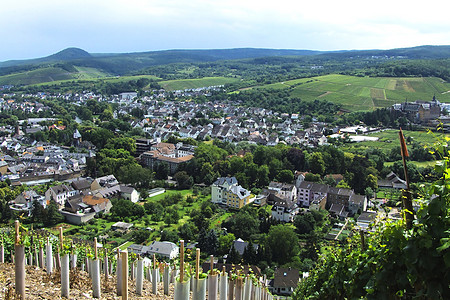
x=45 y=26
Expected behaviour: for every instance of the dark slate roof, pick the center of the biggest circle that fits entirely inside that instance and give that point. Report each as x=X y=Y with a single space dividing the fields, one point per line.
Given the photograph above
x=81 y=184
x=286 y=277
x=229 y=180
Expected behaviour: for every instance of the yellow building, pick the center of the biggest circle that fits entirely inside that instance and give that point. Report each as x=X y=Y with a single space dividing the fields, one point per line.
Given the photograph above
x=237 y=197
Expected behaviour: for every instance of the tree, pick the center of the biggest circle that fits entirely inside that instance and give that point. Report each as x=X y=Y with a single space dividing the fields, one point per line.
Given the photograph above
x=155 y=209
x=187 y=231
x=285 y=176
x=53 y=216
x=140 y=236
x=37 y=213
x=233 y=257
x=316 y=163
x=243 y=225
x=208 y=241
x=283 y=243
x=304 y=223
x=123 y=208
x=225 y=243
x=250 y=256
x=184 y=181
x=162 y=171
x=170 y=236
x=296 y=157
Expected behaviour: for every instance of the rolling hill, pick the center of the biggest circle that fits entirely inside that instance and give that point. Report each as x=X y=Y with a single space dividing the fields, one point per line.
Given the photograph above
x=227 y=61
x=364 y=93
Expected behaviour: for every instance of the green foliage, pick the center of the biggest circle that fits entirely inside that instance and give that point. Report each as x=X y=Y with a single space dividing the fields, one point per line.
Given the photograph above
x=123 y=208
x=140 y=236
x=243 y=224
x=395 y=263
x=283 y=242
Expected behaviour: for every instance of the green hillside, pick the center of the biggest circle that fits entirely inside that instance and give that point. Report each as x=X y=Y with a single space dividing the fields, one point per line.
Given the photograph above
x=182 y=84
x=364 y=93
x=50 y=74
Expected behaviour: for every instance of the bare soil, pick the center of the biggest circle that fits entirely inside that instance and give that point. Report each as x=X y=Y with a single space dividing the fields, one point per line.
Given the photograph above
x=40 y=285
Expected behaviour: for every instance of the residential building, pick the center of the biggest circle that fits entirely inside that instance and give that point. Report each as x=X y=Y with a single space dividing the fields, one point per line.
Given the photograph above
x=119 y=191
x=219 y=187
x=104 y=182
x=24 y=201
x=285 y=281
x=284 y=190
x=237 y=197
x=162 y=249
x=172 y=155
x=309 y=191
x=284 y=210
x=227 y=192
x=82 y=208
x=121 y=226
x=60 y=193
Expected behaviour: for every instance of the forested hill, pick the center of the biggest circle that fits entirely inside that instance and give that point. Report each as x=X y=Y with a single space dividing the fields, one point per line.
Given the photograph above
x=249 y=64
x=76 y=55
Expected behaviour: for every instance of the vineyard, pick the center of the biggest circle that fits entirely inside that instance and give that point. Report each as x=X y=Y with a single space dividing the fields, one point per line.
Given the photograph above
x=37 y=265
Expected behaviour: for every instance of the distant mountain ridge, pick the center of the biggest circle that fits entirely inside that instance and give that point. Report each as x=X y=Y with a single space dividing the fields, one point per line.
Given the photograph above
x=177 y=55
x=75 y=63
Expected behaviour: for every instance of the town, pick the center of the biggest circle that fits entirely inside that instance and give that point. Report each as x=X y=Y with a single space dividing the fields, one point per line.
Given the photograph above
x=209 y=164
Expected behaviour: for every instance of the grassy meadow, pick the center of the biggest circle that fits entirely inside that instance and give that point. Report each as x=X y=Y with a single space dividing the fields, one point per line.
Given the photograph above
x=181 y=84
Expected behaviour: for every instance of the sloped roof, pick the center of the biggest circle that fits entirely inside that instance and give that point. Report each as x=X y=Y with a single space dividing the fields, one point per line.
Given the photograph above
x=229 y=180
x=286 y=277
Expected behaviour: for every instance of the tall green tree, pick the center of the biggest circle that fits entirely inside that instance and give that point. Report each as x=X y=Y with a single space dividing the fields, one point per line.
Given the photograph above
x=283 y=243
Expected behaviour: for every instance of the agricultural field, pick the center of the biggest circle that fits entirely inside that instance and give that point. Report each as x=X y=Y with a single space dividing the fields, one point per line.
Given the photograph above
x=182 y=84
x=388 y=139
x=365 y=93
x=93 y=75
x=49 y=74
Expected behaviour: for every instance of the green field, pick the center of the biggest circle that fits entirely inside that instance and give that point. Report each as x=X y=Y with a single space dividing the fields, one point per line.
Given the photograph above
x=49 y=74
x=389 y=139
x=182 y=84
x=364 y=93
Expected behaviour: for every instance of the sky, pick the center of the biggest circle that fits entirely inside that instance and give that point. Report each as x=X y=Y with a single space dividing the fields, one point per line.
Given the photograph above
x=32 y=29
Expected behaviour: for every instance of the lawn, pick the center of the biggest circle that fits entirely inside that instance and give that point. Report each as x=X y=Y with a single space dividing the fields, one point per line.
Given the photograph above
x=159 y=197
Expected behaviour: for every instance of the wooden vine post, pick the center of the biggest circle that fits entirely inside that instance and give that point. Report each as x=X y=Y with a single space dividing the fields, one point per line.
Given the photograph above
x=155 y=276
x=119 y=273
x=19 y=264
x=182 y=286
x=125 y=275
x=2 y=253
x=199 y=284
x=408 y=211
x=223 y=285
